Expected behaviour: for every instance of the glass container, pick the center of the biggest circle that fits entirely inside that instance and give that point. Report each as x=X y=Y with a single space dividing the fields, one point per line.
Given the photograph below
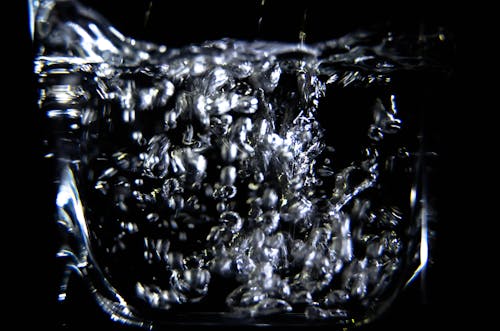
x=237 y=180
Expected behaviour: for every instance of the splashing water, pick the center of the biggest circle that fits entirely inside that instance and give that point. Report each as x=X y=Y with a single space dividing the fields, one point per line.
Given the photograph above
x=231 y=176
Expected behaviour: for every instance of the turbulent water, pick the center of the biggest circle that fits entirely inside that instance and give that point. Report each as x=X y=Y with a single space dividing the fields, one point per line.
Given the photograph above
x=254 y=178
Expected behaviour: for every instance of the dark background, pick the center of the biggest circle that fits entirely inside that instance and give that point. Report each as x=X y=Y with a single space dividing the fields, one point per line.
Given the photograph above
x=31 y=263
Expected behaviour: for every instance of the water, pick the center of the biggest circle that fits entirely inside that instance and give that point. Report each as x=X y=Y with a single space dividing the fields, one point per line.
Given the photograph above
x=246 y=178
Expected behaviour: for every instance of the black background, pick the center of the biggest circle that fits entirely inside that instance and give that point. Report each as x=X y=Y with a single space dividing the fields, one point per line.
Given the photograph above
x=31 y=265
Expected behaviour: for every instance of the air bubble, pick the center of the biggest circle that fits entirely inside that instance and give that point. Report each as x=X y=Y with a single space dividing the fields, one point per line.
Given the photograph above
x=232 y=219
x=269 y=221
x=225 y=192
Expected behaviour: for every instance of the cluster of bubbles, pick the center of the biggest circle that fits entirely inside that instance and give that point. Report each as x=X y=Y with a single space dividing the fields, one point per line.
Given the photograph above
x=212 y=162
x=237 y=169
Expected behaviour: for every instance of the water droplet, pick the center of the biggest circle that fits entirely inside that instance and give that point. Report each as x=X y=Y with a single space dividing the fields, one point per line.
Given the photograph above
x=269 y=198
x=197 y=280
x=199 y=66
x=170 y=119
x=221 y=206
x=152 y=217
x=244 y=104
x=166 y=91
x=228 y=175
x=229 y=151
x=129 y=227
x=147 y=98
